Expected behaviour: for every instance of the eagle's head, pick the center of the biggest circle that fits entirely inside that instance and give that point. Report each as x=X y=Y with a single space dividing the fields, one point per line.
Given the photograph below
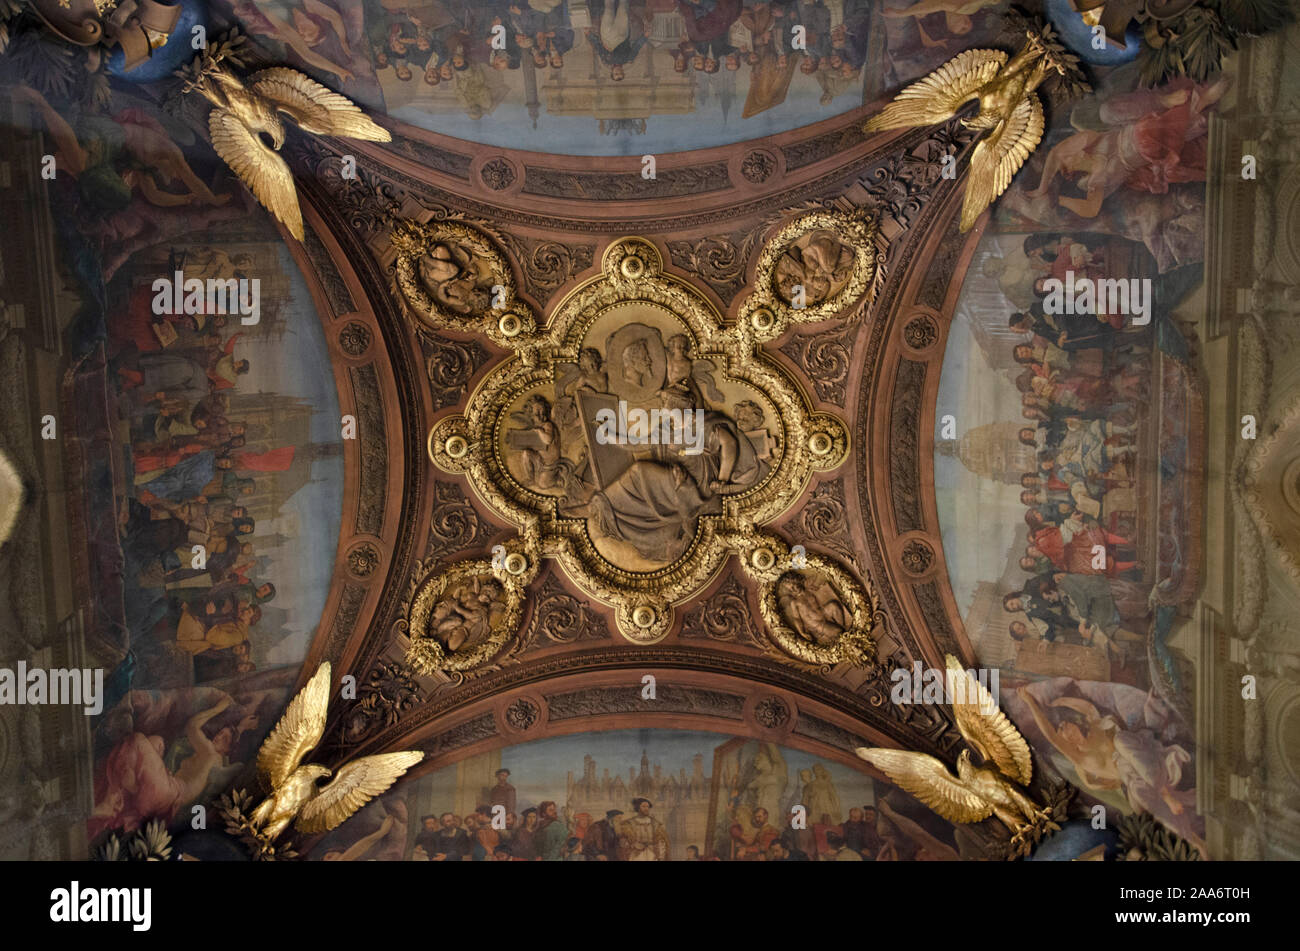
x=275 y=129
x=315 y=772
x=267 y=125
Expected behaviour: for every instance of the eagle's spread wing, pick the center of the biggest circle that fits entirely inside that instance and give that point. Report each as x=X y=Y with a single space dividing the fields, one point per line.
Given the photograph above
x=355 y=785
x=999 y=155
x=938 y=97
x=315 y=108
x=258 y=166
x=298 y=731
x=929 y=781
x=986 y=727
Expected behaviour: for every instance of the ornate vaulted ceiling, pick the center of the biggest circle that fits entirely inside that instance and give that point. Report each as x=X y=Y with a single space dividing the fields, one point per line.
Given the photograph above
x=650 y=376
x=713 y=222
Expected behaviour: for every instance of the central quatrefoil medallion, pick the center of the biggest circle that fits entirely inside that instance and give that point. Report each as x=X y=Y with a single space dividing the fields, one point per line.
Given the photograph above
x=639 y=441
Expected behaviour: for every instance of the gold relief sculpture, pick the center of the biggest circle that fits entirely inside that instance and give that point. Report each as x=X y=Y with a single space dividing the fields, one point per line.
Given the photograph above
x=1010 y=111
x=825 y=260
x=993 y=788
x=244 y=112
x=639 y=442
x=813 y=608
x=296 y=796
x=459 y=618
x=453 y=276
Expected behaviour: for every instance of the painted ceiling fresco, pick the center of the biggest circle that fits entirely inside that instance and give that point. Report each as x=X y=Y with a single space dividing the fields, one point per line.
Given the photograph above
x=650 y=430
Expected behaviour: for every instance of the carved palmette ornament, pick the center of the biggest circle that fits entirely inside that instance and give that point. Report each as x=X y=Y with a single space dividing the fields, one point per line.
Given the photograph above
x=452 y=276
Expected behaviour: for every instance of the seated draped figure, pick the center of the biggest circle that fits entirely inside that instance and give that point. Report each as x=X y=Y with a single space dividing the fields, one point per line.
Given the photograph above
x=639 y=438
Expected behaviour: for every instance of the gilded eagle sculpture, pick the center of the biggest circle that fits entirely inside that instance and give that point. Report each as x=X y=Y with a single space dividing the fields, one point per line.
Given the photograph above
x=1010 y=111
x=247 y=131
x=296 y=796
x=976 y=792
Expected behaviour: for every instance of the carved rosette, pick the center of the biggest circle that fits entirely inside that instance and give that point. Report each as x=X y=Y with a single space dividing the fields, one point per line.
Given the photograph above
x=355 y=338
x=521 y=715
x=497 y=174
x=917 y=557
x=452 y=276
x=632 y=274
x=757 y=166
x=920 y=333
x=768 y=312
x=363 y=559
x=771 y=713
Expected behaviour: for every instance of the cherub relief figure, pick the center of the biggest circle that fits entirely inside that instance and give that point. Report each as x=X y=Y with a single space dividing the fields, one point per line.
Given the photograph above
x=681 y=369
x=819 y=263
x=537 y=440
x=465 y=615
x=455 y=279
x=688 y=377
x=752 y=421
x=590 y=375
x=820 y=621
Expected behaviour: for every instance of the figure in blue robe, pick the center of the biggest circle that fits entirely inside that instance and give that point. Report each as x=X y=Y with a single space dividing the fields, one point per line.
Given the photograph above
x=186 y=479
